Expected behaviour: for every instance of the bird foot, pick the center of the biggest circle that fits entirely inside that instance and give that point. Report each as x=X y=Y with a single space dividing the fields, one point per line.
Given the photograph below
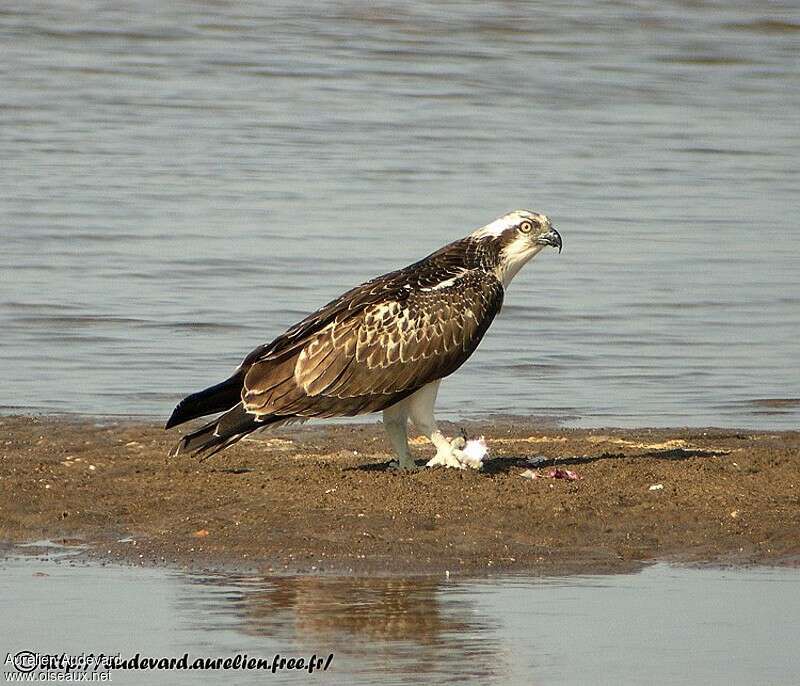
x=471 y=461
x=453 y=456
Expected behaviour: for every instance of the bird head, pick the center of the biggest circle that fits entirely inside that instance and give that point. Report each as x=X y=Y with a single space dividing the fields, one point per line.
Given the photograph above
x=516 y=238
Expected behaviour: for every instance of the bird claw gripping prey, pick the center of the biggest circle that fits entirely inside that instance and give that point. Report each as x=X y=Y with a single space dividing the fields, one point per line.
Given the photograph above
x=449 y=454
x=459 y=453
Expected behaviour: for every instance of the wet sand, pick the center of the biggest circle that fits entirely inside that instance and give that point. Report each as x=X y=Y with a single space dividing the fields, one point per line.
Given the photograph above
x=321 y=499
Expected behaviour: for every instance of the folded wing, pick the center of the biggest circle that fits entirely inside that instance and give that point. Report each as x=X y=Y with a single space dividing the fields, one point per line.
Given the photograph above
x=372 y=347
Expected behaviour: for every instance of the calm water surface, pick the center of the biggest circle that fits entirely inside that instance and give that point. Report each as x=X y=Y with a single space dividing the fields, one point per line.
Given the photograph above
x=662 y=626
x=182 y=181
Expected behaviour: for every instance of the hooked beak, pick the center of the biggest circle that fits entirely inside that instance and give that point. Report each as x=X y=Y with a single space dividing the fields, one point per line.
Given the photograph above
x=552 y=237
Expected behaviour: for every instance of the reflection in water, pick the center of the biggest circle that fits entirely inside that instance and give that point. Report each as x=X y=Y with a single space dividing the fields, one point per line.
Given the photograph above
x=664 y=625
x=619 y=629
x=413 y=626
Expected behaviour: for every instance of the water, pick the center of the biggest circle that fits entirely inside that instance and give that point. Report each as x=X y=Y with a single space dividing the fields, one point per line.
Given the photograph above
x=182 y=181
x=664 y=625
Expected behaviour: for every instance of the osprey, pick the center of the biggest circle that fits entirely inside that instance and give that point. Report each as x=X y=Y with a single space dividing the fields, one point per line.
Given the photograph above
x=383 y=346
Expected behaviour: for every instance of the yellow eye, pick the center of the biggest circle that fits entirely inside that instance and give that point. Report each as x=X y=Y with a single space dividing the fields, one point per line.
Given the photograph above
x=526 y=227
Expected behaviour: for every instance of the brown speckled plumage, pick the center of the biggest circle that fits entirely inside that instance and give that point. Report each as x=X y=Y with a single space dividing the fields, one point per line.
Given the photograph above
x=363 y=352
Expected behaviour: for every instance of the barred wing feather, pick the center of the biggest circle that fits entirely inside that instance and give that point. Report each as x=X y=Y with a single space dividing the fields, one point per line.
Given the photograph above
x=372 y=347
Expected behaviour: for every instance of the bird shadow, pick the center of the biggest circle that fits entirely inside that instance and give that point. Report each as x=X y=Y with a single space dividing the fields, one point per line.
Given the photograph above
x=505 y=463
x=382 y=467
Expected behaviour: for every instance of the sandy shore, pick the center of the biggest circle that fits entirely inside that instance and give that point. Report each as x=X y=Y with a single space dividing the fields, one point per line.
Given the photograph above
x=320 y=499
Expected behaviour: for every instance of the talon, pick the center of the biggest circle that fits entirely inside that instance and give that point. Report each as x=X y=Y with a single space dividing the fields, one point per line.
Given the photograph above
x=438 y=460
x=472 y=462
x=446 y=458
x=457 y=458
x=452 y=461
x=464 y=460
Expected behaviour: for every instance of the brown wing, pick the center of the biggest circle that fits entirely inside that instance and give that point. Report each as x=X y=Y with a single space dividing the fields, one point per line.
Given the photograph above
x=374 y=346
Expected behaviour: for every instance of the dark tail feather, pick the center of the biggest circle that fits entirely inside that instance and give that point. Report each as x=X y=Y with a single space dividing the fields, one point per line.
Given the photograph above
x=222 y=432
x=218 y=398
x=218 y=434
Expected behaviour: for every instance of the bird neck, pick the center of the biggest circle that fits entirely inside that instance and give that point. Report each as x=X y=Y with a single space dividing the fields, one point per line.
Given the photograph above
x=512 y=260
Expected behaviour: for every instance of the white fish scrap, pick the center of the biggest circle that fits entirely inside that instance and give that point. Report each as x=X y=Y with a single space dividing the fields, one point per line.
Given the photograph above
x=475 y=452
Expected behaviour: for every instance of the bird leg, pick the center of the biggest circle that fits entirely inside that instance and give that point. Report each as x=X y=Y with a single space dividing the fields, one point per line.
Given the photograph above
x=419 y=408
x=448 y=451
x=395 y=421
